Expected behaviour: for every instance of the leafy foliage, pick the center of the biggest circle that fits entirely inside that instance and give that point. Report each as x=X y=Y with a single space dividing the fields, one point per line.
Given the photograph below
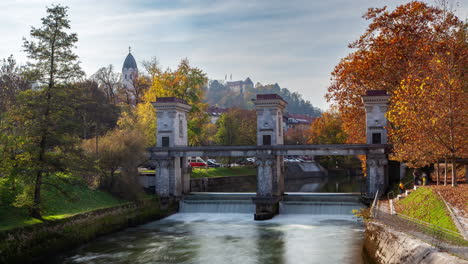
x=237 y=127
x=120 y=154
x=415 y=52
x=44 y=114
x=12 y=82
x=185 y=83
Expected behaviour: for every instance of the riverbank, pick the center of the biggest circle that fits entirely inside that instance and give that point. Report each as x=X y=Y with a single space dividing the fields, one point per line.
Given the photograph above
x=31 y=243
x=384 y=244
x=76 y=198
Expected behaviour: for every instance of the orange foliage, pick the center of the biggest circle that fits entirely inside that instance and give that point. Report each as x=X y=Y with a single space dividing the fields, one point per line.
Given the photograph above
x=403 y=51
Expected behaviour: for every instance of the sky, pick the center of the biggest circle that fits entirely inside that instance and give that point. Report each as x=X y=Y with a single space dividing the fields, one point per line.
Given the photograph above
x=294 y=43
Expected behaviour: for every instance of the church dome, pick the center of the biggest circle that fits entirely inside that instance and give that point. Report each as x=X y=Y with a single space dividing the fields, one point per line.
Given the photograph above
x=129 y=62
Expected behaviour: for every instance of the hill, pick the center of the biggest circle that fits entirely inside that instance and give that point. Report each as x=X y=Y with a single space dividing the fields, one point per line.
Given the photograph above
x=241 y=93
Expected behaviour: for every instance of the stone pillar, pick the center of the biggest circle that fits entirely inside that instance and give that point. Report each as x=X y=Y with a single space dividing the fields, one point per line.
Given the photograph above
x=270 y=168
x=269 y=191
x=171 y=132
x=377 y=174
x=270 y=108
x=376 y=104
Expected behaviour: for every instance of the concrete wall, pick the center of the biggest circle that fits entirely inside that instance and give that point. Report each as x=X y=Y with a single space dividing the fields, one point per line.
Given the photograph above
x=296 y=176
x=224 y=184
x=387 y=245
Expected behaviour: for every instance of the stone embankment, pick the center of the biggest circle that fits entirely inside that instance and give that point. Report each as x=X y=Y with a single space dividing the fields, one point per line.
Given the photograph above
x=33 y=243
x=384 y=244
x=389 y=239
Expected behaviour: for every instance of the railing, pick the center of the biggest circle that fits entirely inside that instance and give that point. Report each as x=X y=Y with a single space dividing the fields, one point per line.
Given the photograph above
x=374 y=205
x=438 y=231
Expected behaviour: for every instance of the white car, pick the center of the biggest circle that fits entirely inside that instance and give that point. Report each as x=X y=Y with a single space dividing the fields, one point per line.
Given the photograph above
x=251 y=160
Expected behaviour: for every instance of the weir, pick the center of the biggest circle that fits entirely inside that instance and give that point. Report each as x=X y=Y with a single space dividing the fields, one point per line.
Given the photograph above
x=292 y=203
x=169 y=157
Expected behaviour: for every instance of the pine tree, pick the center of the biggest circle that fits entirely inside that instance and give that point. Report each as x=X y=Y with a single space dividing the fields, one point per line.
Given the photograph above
x=50 y=48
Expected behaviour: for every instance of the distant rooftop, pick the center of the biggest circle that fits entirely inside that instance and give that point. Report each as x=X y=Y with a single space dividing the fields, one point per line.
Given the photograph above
x=376 y=92
x=170 y=100
x=269 y=97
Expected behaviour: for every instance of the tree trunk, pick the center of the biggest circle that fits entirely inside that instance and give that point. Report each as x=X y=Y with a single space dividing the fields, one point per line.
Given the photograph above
x=35 y=210
x=96 y=143
x=445 y=172
x=454 y=173
x=438 y=172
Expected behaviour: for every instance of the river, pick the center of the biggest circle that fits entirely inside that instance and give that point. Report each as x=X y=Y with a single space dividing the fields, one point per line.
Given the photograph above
x=231 y=238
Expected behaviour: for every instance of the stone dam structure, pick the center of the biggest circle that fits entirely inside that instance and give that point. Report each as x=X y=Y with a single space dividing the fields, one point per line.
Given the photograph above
x=169 y=157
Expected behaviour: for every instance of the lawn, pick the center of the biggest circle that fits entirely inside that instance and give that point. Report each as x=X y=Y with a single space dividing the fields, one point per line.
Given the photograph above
x=426 y=205
x=79 y=199
x=220 y=172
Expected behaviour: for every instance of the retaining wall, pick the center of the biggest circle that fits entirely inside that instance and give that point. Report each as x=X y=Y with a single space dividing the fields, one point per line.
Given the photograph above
x=383 y=244
x=32 y=243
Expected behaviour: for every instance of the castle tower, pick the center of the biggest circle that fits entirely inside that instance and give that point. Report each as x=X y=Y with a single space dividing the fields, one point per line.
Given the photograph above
x=129 y=71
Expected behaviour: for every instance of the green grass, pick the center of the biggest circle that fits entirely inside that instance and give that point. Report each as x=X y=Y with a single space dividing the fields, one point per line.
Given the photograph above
x=424 y=204
x=221 y=172
x=80 y=199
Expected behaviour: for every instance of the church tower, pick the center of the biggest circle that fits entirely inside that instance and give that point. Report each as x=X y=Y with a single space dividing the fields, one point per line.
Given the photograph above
x=129 y=71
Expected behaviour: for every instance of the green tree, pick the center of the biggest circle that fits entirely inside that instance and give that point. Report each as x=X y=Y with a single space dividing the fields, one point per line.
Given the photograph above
x=51 y=51
x=237 y=127
x=12 y=82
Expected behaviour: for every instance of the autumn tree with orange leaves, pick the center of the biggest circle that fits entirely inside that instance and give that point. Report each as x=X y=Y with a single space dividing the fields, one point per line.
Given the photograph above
x=413 y=46
x=429 y=109
x=328 y=129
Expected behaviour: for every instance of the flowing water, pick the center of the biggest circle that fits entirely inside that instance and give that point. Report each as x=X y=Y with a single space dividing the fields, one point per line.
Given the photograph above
x=207 y=231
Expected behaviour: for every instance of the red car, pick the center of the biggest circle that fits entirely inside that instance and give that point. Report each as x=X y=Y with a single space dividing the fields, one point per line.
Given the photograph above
x=197 y=162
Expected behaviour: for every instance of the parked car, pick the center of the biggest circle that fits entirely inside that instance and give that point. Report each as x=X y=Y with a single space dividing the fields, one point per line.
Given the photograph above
x=291 y=160
x=213 y=164
x=251 y=160
x=196 y=162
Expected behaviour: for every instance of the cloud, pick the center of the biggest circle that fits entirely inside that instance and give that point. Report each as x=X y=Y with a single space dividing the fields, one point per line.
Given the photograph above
x=294 y=43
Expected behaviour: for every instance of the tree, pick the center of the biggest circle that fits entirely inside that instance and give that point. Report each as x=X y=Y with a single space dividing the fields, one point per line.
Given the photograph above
x=185 y=82
x=109 y=82
x=429 y=110
x=399 y=50
x=237 y=127
x=133 y=95
x=122 y=151
x=328 y=129
x=394 y=42
x=11 y=83
x=94 y=111
x=51 y=50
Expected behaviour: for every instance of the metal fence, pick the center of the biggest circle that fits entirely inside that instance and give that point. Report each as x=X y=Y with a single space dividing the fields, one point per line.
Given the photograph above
x=442 y=238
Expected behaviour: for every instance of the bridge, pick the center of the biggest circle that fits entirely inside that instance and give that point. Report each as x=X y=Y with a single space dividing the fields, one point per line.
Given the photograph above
x=172 y=179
